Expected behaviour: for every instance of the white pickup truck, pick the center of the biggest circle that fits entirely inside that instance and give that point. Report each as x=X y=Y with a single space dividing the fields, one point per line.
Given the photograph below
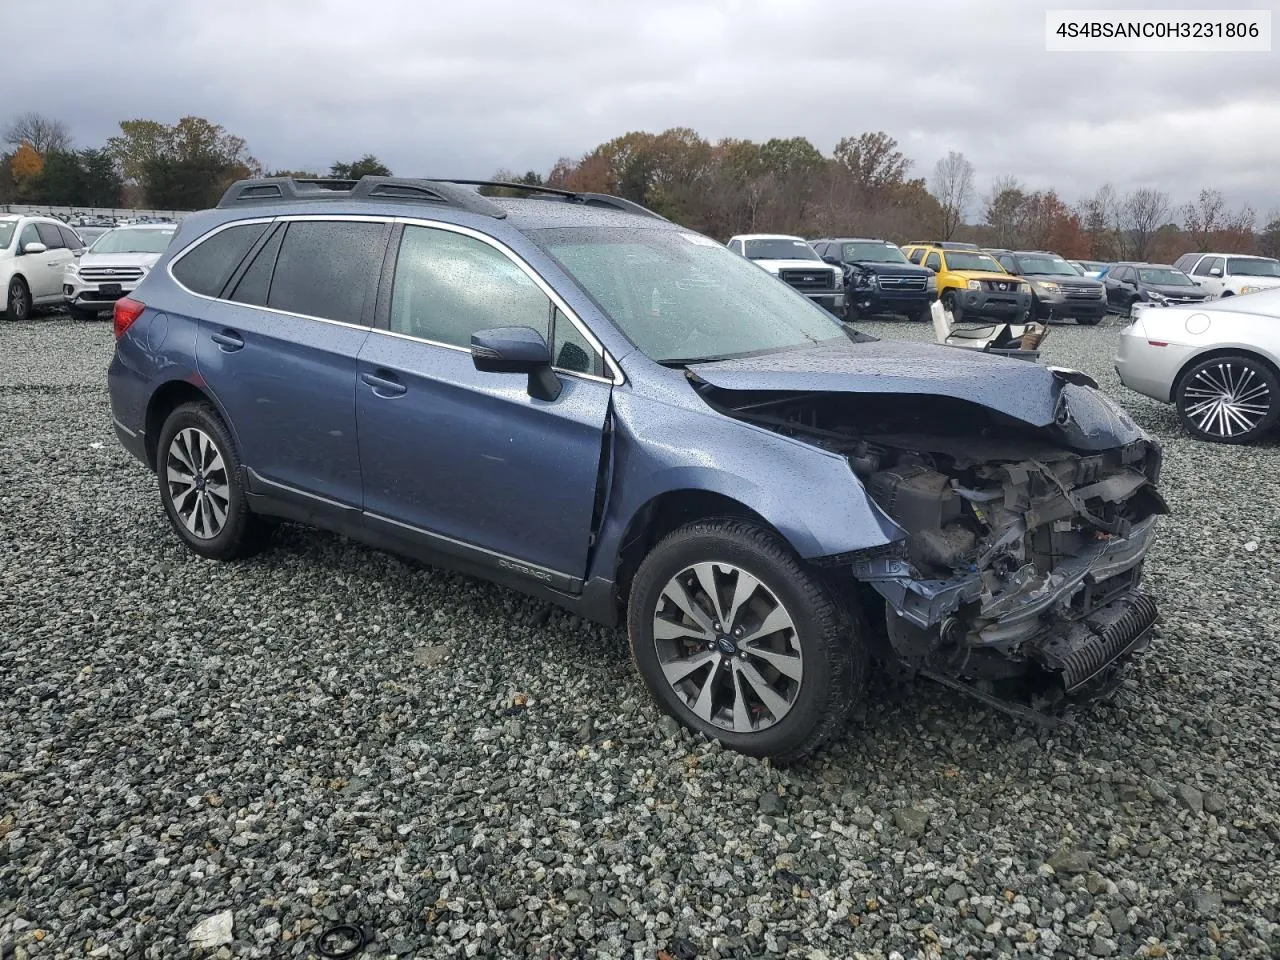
x=794 y=262
x=1230 y=274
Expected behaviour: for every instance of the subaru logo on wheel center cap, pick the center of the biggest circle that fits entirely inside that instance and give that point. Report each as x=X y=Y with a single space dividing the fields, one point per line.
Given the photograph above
x=726 y=645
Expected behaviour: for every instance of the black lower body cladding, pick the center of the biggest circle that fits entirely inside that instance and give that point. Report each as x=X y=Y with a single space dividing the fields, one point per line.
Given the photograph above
x=1087 y=310
x=1010 y=306
x=872 y=301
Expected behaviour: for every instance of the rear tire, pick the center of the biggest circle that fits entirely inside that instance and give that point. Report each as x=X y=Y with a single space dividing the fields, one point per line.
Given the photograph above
x=1228 y=399
x=780 y=675
x=201 y=486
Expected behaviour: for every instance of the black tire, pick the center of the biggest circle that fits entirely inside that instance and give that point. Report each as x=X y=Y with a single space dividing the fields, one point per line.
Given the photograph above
x=240 y=533
x=832 y=648
x=1254 y=386
x=950 y=303
x=17 y=303
x=80 y=314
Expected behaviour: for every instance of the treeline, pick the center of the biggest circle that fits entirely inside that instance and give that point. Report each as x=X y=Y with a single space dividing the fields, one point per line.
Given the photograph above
x=867 y=186
x=179 y=166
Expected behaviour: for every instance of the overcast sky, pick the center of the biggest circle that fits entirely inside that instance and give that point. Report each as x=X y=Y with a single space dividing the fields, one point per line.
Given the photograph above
x=461 y=89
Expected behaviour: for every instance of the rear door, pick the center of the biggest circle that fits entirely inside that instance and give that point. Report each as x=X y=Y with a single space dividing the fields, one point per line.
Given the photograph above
x=466 y=461
x=278 y=350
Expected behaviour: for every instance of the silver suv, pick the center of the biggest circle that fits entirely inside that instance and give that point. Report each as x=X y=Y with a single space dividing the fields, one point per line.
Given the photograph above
x=112 y=266
x=34 y=254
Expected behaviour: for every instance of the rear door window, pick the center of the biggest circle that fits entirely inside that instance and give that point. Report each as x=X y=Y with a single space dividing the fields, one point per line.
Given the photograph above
x=328 y=269
x=51 y=236
x=206 y=268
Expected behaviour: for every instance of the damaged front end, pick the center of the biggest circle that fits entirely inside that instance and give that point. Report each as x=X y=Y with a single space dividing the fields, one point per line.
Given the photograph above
x=1022 y=545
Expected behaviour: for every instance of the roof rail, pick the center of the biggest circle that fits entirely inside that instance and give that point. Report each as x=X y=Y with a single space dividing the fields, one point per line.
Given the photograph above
x=567 y=196
x=268 y=190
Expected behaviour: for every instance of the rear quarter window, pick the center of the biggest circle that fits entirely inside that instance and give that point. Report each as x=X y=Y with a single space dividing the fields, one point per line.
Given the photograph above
x=206 y=267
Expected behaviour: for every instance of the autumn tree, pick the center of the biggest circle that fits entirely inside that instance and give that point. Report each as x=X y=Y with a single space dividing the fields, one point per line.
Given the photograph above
x=366 y=166
x=41 y=132
x=26 y=166
x=953 y=189
x=873 y=160
x=182 y=166
x=1201 y=219
x=296 y=174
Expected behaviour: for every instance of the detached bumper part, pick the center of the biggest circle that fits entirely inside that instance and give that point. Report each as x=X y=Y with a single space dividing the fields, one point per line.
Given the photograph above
x=1083 y=651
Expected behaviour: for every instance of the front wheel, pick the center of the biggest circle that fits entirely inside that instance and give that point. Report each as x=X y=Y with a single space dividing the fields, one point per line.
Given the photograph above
x=739 y=641
x=201 y=486
x=1229 y=399
x=18 y=301
x=952 y=304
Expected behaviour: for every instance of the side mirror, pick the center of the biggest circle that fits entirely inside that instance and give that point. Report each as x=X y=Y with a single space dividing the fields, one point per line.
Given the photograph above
x=34 y=247
x=517 y=350
x=1215 y=272
x=834 y=261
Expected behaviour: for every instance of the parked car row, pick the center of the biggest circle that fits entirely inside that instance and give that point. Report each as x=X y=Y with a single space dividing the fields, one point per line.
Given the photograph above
x=45 y=262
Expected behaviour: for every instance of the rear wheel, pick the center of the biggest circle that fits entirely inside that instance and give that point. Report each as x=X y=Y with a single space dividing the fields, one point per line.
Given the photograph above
x=739 y=641
x=1228 y=399
x=201 y=486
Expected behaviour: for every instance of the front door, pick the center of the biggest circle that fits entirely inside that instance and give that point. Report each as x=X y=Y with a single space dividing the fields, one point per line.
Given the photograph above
x=466 y=461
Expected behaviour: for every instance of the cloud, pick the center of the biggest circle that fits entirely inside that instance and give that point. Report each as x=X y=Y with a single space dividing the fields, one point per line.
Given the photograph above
x=464 y=89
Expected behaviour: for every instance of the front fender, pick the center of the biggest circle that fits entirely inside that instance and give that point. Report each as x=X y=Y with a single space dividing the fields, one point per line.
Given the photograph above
x=810 y=496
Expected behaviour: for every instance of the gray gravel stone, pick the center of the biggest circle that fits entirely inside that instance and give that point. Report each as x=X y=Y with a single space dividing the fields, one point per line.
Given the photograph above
x=180 y=738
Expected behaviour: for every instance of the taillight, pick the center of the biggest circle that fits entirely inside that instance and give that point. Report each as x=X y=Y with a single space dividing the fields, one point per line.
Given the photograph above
x=126 y=312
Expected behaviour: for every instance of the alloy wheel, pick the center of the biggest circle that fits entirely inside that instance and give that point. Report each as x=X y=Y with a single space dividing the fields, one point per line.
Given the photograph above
x=198 y=484
x=728 y=647
x=18 y=308
x=1227 y=399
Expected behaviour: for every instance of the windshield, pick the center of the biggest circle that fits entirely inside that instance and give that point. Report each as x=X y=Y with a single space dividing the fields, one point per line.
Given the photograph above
x=959 y=260
x=780 y=248
x=1240 y=267
x=6 y=232
x=1165 y=277
x=873 y=253
x=680 y=297
x=1052 y=265
x=132 y=241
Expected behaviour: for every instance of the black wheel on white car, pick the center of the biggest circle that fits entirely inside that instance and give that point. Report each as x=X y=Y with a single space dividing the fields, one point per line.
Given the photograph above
x=737 y=639
x=201 y=486
x=17 y=303
x=1228 y=399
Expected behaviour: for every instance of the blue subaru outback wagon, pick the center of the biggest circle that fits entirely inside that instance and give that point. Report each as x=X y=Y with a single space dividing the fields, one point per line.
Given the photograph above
x=573 y=396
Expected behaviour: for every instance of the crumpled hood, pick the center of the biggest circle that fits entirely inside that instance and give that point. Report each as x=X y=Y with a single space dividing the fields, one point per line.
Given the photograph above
x=1030 y=392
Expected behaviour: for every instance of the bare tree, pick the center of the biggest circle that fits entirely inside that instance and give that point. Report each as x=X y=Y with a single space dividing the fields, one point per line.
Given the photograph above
x=953 y=188
x=1143 y=212
x=1203 y=218
x=43 y=133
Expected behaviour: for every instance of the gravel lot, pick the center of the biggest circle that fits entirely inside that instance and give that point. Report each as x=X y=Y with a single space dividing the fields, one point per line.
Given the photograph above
x=328 y=733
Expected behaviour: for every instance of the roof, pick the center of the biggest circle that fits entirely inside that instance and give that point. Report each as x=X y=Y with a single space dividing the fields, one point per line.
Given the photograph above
x=857 y=240
x=1233 y=256
x=534 y=214
x=768 y=236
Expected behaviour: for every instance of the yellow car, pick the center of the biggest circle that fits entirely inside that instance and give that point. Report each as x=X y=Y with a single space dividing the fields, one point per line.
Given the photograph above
x=973 y=285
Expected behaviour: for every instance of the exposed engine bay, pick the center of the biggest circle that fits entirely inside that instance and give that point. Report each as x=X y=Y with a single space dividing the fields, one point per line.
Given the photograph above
x=1020 y=557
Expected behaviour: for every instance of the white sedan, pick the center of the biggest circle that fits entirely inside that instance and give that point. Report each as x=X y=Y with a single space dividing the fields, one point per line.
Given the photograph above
x=1218 y=362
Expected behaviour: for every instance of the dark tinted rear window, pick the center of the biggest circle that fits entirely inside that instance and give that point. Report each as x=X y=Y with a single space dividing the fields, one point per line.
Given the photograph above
x=206 y=268
x=50 y=236
x=70 y=238
x=253 y=287
x=328 y=268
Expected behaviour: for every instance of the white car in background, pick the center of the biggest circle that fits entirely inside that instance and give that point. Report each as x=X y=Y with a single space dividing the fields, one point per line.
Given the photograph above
x=1230 y=274
x=34 y=253
x=794 y=262
x=112 y=266
x=1218 y=362
x=1093 y=269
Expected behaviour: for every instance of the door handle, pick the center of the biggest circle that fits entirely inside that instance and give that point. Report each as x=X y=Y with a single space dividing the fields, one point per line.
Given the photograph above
x=384 y=386
x=228 y=341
